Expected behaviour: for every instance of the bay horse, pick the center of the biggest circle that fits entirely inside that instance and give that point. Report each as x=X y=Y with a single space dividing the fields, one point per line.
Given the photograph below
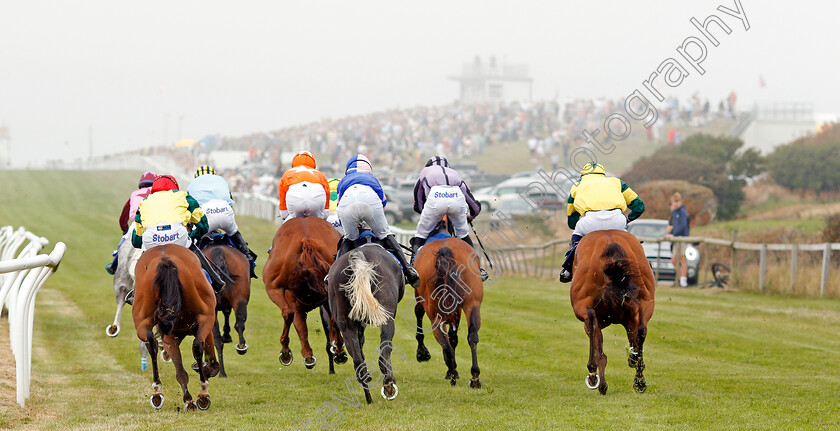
x=127 y=256
x=612 y=283
x=173 y=295
x=449 y=284
x=234 y=297
x=300 y=257
x=365 y=286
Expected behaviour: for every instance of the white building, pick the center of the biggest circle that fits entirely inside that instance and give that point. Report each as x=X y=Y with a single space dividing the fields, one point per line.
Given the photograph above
x=775 y=123
x=494 y=82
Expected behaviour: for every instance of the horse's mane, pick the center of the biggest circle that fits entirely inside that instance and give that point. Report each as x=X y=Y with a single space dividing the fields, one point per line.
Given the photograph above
x=169 y=300
x=620 y=275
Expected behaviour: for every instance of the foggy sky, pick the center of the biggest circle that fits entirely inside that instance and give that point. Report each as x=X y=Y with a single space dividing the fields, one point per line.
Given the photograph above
x=131 y=72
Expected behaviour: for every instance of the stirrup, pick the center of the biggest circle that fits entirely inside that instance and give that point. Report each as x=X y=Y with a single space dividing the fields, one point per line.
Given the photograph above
x=109 y=270
x=129 y=297
x=484 y=275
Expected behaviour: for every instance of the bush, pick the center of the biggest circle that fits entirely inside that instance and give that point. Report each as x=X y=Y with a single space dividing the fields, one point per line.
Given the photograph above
x=700 y=201
x=831 y=231
x=807 y=164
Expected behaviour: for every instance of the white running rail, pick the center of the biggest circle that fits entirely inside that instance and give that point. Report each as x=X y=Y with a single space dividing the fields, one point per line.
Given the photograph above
x=20 y=280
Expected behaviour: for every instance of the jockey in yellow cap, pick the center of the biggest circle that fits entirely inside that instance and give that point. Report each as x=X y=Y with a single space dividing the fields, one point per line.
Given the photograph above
x=597 y=202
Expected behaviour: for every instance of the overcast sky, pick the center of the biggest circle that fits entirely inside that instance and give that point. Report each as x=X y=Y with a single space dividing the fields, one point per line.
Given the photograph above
x=131 y=72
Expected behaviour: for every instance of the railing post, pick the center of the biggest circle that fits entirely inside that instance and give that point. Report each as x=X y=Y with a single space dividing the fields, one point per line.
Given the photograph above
x=658 y=260
x=762 y=263
x=733 y=271
x=794 y=263
x=825 y=260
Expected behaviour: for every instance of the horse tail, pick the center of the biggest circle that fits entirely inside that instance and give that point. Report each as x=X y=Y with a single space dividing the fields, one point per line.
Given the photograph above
x=619 y=272
x=312 y=267
x=217 y=256
x=169 y=301
x=363 y=305
x=445 y=267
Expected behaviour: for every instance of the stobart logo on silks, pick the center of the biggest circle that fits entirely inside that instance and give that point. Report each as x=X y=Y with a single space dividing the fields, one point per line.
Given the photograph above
x=446 y=195
x=219 y=210
x=165 y=237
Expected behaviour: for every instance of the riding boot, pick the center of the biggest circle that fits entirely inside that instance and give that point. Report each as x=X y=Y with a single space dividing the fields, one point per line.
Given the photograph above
x=566 y=274
x=215 y=280
x=481 y=272
x=416 y=243
x=390 y=243
x=112 y=267
x=240 y=244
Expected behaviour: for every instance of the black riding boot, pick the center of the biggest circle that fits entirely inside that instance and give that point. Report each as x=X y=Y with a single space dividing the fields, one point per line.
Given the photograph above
x=566 y=274
x=416 y=243
x=390 y=243
x=215 y=280
x=112 y=267
x=481 y=272
x=240 y=244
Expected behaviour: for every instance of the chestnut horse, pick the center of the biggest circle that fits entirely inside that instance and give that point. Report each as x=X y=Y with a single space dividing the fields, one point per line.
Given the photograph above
x=365 y=287
x=235 y=296
x=449 y=284
x=300 y=257
x=172 y=294
x=613 y=283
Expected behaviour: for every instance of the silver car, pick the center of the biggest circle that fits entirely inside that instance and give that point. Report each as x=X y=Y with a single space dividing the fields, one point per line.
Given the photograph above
x=649 y=229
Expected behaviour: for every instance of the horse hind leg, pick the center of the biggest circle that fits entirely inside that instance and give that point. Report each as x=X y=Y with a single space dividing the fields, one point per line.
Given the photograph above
x=114 y=329
x=156 y=399
x=198 y=350
x=474 y=322
x=220 y=345
x=597 y=359
x=286 y=353
x=173 y=346
x=226 y=335
x=309 y=359
x=635 y=359
x=331 y=344
x=423 y=354
x=241 y=317
x=354 y=346
x=448 y=355
x=389 y=385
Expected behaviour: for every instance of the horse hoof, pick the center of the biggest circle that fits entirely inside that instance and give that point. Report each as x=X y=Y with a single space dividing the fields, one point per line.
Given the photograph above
x=475 y=383
x=241 y=348
x=189 y=406
x=423 y=354
x=156 y=401
x=310 y=362
x=165 y=356
x=286 y=358
x=640 y=386
x=453 y=381
x=195 y=367
x=596 y=384
x=341 y=358
x=203 y=403
x=226 y=338
x=603 y=389
x=390 y=392
x=332 y=348
x=112 y=330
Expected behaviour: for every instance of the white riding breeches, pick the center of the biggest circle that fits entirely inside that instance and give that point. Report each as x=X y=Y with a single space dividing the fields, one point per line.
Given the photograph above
x=444 y=201
x=306 y=199
x=220 y=216
x=166 y=233
x=601 y=220
x=361 y=204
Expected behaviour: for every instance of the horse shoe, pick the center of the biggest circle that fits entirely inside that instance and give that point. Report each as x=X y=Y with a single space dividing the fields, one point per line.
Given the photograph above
x=108 y=330
x=396 y=392
x=241 y=351
x=597 y=381
x=152 y=401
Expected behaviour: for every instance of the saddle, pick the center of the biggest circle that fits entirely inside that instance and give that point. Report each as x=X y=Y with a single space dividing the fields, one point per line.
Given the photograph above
x=367 y=238
x=215 y=239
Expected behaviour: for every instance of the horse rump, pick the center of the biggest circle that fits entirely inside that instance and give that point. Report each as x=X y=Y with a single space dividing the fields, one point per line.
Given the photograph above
x=217 y=256
x=619 y=272
x=311 y=268
x=169 y=301
x=361 y=276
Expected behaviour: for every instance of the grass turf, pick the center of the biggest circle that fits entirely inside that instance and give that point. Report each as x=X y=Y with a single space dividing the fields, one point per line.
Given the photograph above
x=715 y=359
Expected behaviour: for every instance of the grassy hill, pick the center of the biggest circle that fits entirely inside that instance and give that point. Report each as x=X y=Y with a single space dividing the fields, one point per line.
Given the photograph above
x=715 y=359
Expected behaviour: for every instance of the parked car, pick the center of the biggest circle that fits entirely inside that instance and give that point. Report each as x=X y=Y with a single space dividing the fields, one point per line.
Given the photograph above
x=655 y=228
x=403 y=204
x=543 y=194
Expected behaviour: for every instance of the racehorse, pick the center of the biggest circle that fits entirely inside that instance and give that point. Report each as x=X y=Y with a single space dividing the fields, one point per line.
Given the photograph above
x=173 y=295
x=234 y=297
x=449 y=284
x=612 y=283
x=300 y=257
x=123 y=281
x=365 y=286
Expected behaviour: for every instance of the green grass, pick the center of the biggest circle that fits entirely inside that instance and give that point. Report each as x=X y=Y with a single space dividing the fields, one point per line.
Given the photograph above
x=715 y=359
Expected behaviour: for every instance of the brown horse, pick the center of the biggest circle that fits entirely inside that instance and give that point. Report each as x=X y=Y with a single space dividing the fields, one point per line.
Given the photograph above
x=234 y=298
x=299 y=259
x=172 y=294
x=449 y=284
x=613 y=283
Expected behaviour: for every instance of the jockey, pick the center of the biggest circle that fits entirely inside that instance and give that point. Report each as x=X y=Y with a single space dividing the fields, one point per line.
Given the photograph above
x=440 y=191
x=213 y=195
x=333 y=217
x=128 y=212
x=597 y=202
x=303 y=189
x=361 y=199
x=162 y=218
